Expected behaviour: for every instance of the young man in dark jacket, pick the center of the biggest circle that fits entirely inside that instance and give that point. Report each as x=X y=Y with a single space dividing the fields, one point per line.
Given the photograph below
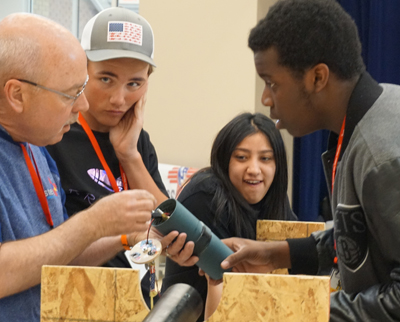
x=308 y=54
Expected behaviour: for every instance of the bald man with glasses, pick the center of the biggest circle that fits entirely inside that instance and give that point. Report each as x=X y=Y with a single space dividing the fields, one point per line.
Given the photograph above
x=33 y=226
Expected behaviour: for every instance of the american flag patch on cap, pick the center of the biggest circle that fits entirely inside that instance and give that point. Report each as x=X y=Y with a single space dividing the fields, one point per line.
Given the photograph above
x=123 y=31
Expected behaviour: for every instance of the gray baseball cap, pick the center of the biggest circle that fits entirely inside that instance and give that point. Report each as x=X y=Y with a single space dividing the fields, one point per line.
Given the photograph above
x=118 y=33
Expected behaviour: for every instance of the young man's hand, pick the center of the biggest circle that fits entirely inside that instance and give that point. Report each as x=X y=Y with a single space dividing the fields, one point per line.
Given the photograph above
x=125 y=135
x=252 y=256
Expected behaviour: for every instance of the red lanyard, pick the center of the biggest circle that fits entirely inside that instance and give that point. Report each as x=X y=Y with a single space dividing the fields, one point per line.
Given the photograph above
x=100 y=155
x=338 y=149
x=37 y=183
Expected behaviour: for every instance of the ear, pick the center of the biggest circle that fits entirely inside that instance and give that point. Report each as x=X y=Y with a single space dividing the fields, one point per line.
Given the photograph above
x=317 y=77
x=14 y=94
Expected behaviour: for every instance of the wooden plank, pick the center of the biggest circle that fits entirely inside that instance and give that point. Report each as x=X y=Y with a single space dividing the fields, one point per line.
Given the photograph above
x=272 y=230
x=98 y=294
x=273 y=298
x=281 y=230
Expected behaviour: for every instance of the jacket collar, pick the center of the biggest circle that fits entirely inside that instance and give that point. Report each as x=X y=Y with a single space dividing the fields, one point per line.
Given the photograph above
x=364 y=95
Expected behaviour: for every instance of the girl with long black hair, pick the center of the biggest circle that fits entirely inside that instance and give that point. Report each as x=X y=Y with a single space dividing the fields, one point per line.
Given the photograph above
x=246 y=181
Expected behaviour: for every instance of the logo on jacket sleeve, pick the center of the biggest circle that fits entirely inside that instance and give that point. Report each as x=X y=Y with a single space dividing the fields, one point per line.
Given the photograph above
x=351 y=236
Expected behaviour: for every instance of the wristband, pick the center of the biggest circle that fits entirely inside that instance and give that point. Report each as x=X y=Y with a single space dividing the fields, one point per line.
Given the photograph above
x=124 y=241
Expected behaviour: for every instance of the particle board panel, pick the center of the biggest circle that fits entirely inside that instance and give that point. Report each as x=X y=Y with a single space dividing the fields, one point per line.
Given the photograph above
x=281 y=230
x=94 y=294
x=272 y=230
x=273 y=298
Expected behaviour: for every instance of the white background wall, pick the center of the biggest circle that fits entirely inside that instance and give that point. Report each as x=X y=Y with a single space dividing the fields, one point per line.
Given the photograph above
x=205 y=74
x=10 y=6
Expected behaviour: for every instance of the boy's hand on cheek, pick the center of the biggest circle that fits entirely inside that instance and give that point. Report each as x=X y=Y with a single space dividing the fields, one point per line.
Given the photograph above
x=125 y=135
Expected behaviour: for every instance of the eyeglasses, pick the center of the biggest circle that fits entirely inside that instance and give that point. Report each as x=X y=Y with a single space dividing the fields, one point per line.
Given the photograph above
x=73 y=98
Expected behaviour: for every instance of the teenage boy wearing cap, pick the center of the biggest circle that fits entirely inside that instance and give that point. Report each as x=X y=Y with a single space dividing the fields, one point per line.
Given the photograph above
x=107 y=150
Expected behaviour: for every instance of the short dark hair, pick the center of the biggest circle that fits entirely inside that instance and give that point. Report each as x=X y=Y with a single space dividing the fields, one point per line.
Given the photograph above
x=227 y=198
x=308 y=32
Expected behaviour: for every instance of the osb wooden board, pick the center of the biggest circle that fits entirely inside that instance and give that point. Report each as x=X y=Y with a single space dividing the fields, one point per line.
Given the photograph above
x=281 y=230
x=273 y=298
x=72 y=294
x=270 y=230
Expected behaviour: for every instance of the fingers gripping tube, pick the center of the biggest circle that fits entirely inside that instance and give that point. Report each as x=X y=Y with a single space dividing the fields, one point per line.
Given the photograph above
x=208 y=247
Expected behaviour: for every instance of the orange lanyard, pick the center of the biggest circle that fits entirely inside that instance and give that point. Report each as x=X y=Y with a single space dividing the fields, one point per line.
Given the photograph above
x=100 y=155
x=338 y=149
x=37 y=183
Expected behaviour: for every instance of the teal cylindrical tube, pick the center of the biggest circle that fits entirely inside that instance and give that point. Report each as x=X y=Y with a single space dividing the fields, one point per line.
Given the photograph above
x=208 y=247
x=210 y=260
